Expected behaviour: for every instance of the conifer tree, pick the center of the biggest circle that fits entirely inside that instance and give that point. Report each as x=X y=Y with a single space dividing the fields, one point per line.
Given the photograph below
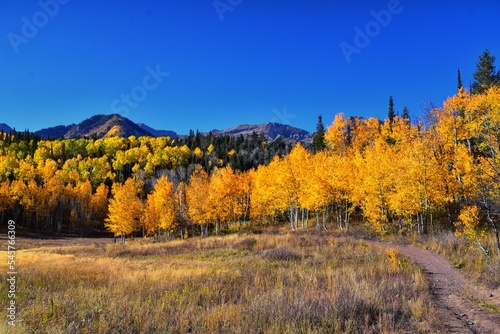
x=486 y=74
x=459 y=81
x=406 y=113
x=318 y=143
x=391 y=113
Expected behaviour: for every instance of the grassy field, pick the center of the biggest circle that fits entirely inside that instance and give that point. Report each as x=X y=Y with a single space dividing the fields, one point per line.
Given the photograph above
x=274 y=282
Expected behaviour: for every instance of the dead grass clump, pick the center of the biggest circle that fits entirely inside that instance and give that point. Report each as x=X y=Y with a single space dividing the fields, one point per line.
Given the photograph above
x=246 y=244
x=282 y=254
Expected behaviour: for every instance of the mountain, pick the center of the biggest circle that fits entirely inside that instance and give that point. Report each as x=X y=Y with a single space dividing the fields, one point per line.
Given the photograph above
x=270 y=130
x=55 y=131
x=98 y=125
x=5 y=128
x=158 y=133
x=116 y=125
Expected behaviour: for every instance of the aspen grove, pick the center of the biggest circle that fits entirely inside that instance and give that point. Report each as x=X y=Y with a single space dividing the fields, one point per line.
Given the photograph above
x=395 y=176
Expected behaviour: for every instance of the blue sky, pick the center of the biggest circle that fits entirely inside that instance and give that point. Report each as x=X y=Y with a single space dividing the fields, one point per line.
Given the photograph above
x=208 y=64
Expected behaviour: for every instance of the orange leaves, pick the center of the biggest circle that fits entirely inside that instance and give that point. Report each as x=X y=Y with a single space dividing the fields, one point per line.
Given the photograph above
x=159 y=210
x=377 y=172
x=222 y=197
x=267 y=196
x=198 y=152
x=401 y=175
x=469 y=223
x=125 y=208
x=224 y=191
x=470 y=226
x=337 y=135
x=197 y=196
x=6 y=201
x=395 y=260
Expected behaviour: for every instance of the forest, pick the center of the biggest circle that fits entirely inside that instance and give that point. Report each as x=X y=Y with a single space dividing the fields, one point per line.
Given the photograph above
x=396 y=176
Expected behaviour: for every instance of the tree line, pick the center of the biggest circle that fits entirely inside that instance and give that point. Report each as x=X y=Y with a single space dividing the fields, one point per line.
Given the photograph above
x=440 y=173
x=58 y=184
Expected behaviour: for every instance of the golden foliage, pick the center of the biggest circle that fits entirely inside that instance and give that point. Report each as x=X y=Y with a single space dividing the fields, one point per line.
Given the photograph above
x=125 y=208
x=469 y=225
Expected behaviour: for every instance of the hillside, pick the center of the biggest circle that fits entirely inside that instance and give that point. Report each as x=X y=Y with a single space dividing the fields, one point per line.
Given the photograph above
x=5 y=128
x=270 y=130
x=158 y=133
x=54 y=132
x=98 y=126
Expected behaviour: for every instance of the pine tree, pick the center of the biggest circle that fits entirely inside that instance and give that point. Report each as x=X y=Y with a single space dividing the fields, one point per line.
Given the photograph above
x=391 y=113
x=486 y=74
x=406 y=113
x=459 y=81
x=318 y=143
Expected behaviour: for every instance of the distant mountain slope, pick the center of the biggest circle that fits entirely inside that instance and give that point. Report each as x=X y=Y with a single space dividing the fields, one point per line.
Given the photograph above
x=158 y=133
x=54 y=132
x=116 y=125
x=98 y=125
x=270 y=130
x=5 y=128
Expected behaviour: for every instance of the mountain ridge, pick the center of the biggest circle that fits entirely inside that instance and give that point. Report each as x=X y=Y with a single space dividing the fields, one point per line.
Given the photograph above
x=5 y=128
x=101 y=125
x=271 y=130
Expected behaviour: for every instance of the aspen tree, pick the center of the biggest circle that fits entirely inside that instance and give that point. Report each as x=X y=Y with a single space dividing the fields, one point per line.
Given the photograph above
x=125 y=209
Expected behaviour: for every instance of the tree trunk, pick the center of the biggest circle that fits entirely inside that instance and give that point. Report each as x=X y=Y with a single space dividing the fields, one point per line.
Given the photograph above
x=302 y=218
x=324 y=220
x=296 y=218
x=347 y=216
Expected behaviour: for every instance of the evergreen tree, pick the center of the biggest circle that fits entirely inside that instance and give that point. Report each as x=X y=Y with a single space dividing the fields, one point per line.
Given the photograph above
x=406 y=113
x=485 y=75
x=391 y=113
x=459 y=81
x=318 y=143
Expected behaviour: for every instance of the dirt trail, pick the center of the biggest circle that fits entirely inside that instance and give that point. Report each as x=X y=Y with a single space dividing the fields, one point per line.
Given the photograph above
x=449 y=288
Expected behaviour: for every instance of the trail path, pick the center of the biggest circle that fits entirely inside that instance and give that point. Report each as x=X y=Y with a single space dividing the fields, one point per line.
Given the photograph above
x=449 y=288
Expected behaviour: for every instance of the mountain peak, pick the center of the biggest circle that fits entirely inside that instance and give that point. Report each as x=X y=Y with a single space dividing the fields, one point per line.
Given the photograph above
x=116 y=125
x=270 y=130
x=5 y=128
x=97 y=125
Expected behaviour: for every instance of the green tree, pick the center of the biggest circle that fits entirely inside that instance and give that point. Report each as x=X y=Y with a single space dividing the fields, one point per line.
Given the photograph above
x=391 y=113
x=459 y=81
x=486 y=74
x=406 y=114
x=318 y=143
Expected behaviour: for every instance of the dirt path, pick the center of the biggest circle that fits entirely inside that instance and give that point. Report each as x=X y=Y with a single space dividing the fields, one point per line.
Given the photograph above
x=449 y=288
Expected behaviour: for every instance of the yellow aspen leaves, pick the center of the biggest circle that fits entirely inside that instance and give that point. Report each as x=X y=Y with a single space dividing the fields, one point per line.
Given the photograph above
x=470 y=227
x=125 y=209
x=159 y=211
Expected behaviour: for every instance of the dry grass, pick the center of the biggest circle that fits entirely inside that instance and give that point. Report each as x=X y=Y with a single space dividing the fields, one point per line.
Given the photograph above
x=305 y=282
x=466 y=256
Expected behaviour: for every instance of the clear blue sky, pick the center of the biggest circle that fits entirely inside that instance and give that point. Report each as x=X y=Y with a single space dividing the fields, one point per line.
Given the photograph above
x=242 y=62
